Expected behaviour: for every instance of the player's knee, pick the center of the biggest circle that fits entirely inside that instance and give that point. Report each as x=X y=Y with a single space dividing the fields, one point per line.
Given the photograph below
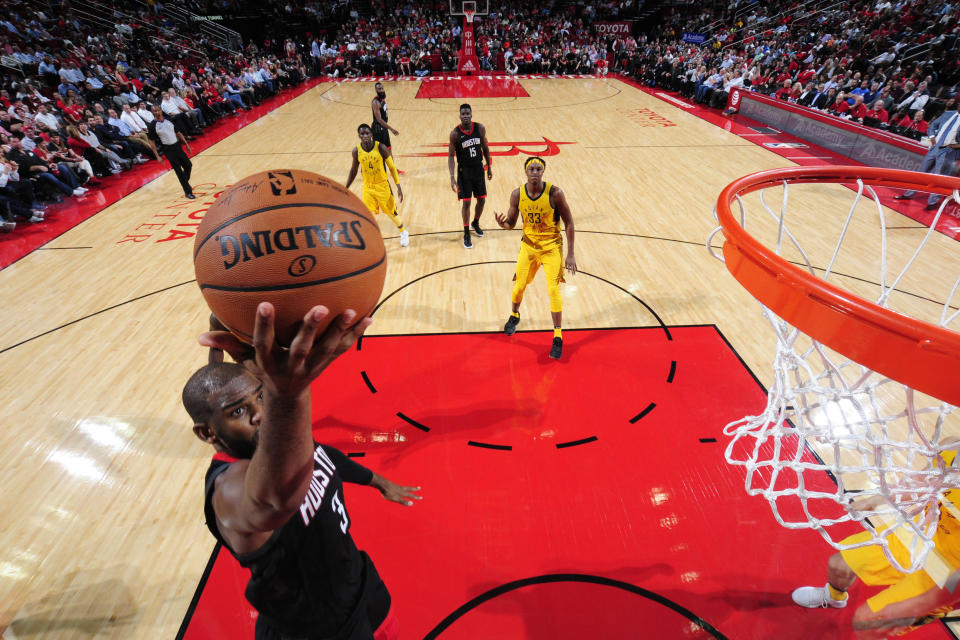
x=839 y=567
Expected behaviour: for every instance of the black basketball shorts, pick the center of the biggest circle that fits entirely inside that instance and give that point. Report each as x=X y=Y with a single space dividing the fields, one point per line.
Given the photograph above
x=381 y=135
x=471 y=184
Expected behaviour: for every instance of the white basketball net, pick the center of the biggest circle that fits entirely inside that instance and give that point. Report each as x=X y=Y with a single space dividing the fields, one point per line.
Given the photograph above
x=879 y=440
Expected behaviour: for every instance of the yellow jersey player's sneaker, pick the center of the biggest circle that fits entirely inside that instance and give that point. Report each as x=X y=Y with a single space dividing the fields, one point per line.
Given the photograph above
x=476 y=228
x=511 y=327
x=817 y=597
x=404 y=238
x=556 y=350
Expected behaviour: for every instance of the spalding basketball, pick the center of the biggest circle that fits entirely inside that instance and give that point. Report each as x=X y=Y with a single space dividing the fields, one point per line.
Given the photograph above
x=292 y=238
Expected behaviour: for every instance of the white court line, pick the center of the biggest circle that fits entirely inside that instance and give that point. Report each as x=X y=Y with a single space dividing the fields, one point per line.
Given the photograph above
x=680 y=103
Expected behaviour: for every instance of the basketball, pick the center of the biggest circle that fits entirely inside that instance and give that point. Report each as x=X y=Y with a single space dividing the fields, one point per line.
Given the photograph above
x=295 y=239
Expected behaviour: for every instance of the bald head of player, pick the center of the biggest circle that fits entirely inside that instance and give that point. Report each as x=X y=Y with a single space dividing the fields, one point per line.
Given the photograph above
x=225 y=402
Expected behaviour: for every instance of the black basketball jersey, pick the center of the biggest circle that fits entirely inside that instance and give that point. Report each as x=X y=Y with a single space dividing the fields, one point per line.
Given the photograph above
x=469 y=147
x=383 y=111
x=308 y=578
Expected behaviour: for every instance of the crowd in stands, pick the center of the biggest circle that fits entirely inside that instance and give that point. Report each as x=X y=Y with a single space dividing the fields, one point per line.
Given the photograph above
x=78 y=108
x=885 y=64
x=889 y=65
x=78 y=104
x=408 y=38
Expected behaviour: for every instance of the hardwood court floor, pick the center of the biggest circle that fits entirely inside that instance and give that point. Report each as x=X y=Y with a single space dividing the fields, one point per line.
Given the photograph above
x=103 y=534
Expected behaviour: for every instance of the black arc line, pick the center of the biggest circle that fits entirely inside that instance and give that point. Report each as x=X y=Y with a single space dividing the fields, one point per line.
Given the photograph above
x=642 y=414
x=572 y=577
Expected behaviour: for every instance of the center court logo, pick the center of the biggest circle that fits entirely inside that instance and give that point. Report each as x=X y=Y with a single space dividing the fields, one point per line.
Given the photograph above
x=176 y=220
x=543 y=147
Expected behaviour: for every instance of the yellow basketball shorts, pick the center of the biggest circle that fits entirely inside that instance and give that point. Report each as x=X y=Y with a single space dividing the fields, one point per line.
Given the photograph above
x=529 y=261
x=871 y=565
x=379 y=197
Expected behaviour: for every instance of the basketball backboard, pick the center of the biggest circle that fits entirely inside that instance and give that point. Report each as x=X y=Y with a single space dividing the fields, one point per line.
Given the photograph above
x=461 y=7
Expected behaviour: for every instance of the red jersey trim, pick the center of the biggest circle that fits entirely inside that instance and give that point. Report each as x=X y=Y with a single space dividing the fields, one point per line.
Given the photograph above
x=222 y=457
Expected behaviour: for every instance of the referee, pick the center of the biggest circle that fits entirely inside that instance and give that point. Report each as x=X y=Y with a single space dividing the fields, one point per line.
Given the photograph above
x=169 y=139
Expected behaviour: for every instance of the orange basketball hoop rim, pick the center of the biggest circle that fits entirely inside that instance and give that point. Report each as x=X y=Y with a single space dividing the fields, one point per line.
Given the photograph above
x=918 y=354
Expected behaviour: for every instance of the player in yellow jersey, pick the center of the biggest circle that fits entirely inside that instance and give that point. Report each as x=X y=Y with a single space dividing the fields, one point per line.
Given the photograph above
x=542 y=206
x=909 y=600
x=371 y=158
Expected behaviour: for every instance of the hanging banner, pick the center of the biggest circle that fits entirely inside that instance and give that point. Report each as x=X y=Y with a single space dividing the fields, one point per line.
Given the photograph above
x=468 y=65
x=618 y=28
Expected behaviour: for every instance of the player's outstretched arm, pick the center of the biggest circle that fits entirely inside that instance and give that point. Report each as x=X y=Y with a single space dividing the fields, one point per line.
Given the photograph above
x=560 y=202
x=395 y=492
x=353 y=169
x=252 y=498
x=509 y=221
x=352 y=471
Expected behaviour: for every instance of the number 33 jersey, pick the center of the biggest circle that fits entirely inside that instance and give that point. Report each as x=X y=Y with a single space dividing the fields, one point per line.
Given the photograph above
x=541 y=221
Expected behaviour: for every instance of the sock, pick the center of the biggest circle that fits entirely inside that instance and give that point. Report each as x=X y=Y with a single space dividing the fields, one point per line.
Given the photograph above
x=476 y=219
x=556 y=333
x=515 y=314
x=835 y=593
x=466 y=228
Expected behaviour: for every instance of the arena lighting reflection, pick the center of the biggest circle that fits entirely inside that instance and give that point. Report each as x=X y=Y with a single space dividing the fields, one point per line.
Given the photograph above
x=380 y=436
x=658 y=495
x=395 y=436
x=111 y=433
x=15 y=571
x=81 y=467
x=843 y=417
x=11 y=571
x=689 y=576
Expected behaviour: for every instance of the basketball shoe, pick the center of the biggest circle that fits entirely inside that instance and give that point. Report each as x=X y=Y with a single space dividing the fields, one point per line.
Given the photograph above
x=404 y=238
x=557 y=349
x=511 y=327
x=817 y=597
x=467 y=242
x=476 y=228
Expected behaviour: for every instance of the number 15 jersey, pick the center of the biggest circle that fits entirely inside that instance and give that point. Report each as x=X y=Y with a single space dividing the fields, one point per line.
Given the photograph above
x=469 y=148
